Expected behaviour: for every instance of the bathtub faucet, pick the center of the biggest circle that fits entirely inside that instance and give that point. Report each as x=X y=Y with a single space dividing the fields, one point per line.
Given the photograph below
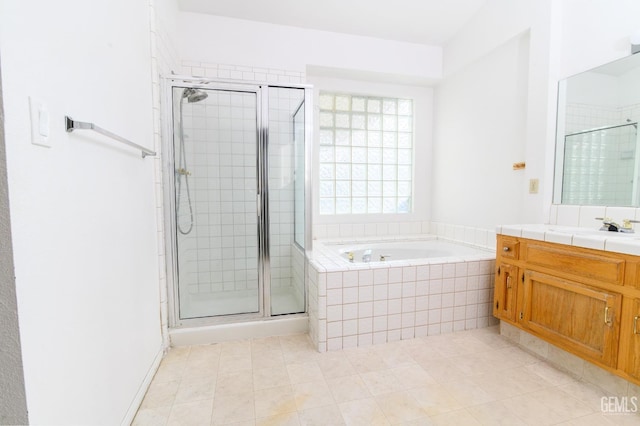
x=366 y=257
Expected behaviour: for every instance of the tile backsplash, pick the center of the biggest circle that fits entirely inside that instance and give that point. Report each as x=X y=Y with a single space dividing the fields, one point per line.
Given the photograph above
x=585 y=216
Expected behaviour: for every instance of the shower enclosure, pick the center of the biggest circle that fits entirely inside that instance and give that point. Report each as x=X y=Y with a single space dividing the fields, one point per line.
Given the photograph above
x=237 y=200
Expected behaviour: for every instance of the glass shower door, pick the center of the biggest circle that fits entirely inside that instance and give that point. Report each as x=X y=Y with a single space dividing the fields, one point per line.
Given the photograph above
x=215 y=151
x=286 y=159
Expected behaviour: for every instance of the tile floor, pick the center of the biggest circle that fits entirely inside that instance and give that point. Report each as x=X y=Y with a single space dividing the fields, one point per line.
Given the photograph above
x=473 y=377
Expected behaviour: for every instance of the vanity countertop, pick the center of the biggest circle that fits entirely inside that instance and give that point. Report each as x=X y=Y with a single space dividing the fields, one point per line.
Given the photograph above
x=617 y=242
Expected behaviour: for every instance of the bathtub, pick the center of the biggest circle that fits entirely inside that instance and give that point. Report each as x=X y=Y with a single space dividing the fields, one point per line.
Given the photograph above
x=368 y=292
x=406 y=250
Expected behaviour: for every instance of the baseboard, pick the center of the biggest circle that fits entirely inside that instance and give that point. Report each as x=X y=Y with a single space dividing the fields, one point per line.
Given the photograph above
x=142 y=390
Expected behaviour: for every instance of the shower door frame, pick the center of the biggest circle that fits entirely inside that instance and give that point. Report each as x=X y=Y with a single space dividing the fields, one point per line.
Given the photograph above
x=261 y=89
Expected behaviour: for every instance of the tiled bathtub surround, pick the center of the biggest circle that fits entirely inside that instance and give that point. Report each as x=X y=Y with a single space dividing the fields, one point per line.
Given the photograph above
x=358 y=305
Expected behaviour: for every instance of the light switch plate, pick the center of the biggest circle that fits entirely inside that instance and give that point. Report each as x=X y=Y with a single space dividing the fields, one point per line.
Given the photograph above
x=533 y=186
x=39 y=122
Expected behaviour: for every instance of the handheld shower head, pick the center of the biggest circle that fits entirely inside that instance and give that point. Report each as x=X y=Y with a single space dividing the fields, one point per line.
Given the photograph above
x=194 y=95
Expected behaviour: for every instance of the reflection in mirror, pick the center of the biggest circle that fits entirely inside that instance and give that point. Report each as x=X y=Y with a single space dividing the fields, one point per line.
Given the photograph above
x=597 y=156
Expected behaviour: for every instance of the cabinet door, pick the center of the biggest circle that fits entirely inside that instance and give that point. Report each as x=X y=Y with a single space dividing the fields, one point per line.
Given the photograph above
x=504 y=295
x=576 y=317
x=632 y=342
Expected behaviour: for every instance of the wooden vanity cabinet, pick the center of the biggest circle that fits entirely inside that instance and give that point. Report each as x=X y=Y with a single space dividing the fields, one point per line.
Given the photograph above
x=579 y=318
x=504 y=295
x=630 y=337
x=584 y=301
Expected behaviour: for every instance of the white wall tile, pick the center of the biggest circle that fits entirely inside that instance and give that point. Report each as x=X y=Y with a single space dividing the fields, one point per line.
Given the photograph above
x=350 y=328
x=334 y=280
x=365 y=278
x=334 y=329
x=568 y=215
x=349 y=311
x=380 y=292
x=409 y=273
x=365 y=309
x=394 y=306
x=380 y=308
x=381 y=276
x=395 y=291
x=408 y=289
x=422 y=272
x=350 y=295
x=334 y=313
x=395 y=275
x=394 y=321
x=334 y=297
x=422 y=303
x=380 y=323
x=365 y=293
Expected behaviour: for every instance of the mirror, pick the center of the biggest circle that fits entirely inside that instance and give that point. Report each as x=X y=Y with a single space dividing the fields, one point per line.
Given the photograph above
x=597 y=140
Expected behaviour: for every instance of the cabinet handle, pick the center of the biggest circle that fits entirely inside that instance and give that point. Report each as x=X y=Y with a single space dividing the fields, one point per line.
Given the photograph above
x=509 y=281
x=505 y=249
x=635 y=324
x=607 y=320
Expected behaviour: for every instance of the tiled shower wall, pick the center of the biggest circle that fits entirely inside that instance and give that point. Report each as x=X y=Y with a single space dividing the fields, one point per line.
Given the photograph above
x=241 y=72
x=599 y=173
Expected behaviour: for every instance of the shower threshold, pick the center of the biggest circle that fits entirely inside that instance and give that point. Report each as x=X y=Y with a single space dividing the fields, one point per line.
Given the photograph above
x=274 y=326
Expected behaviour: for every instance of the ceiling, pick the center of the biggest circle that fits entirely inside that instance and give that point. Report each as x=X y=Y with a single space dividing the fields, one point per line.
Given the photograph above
x=430 y=22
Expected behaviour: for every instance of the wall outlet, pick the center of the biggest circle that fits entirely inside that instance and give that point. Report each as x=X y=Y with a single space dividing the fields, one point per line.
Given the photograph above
x=533 y=186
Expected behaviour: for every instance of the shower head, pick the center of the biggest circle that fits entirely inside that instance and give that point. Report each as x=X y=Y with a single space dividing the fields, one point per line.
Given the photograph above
x=193 y=95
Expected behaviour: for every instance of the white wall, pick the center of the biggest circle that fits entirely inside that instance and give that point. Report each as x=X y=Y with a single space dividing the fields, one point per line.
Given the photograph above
x=332 y=61
x=82 y=211
x=480 y=133
x=566 y=37
x=596 y=32
x=481 y=42
x=222 y=40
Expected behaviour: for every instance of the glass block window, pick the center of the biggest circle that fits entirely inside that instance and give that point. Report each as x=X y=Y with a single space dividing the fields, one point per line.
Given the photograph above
x=366 y=154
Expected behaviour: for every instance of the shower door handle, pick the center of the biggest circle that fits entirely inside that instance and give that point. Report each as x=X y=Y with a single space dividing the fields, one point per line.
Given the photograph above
x=259 y=204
